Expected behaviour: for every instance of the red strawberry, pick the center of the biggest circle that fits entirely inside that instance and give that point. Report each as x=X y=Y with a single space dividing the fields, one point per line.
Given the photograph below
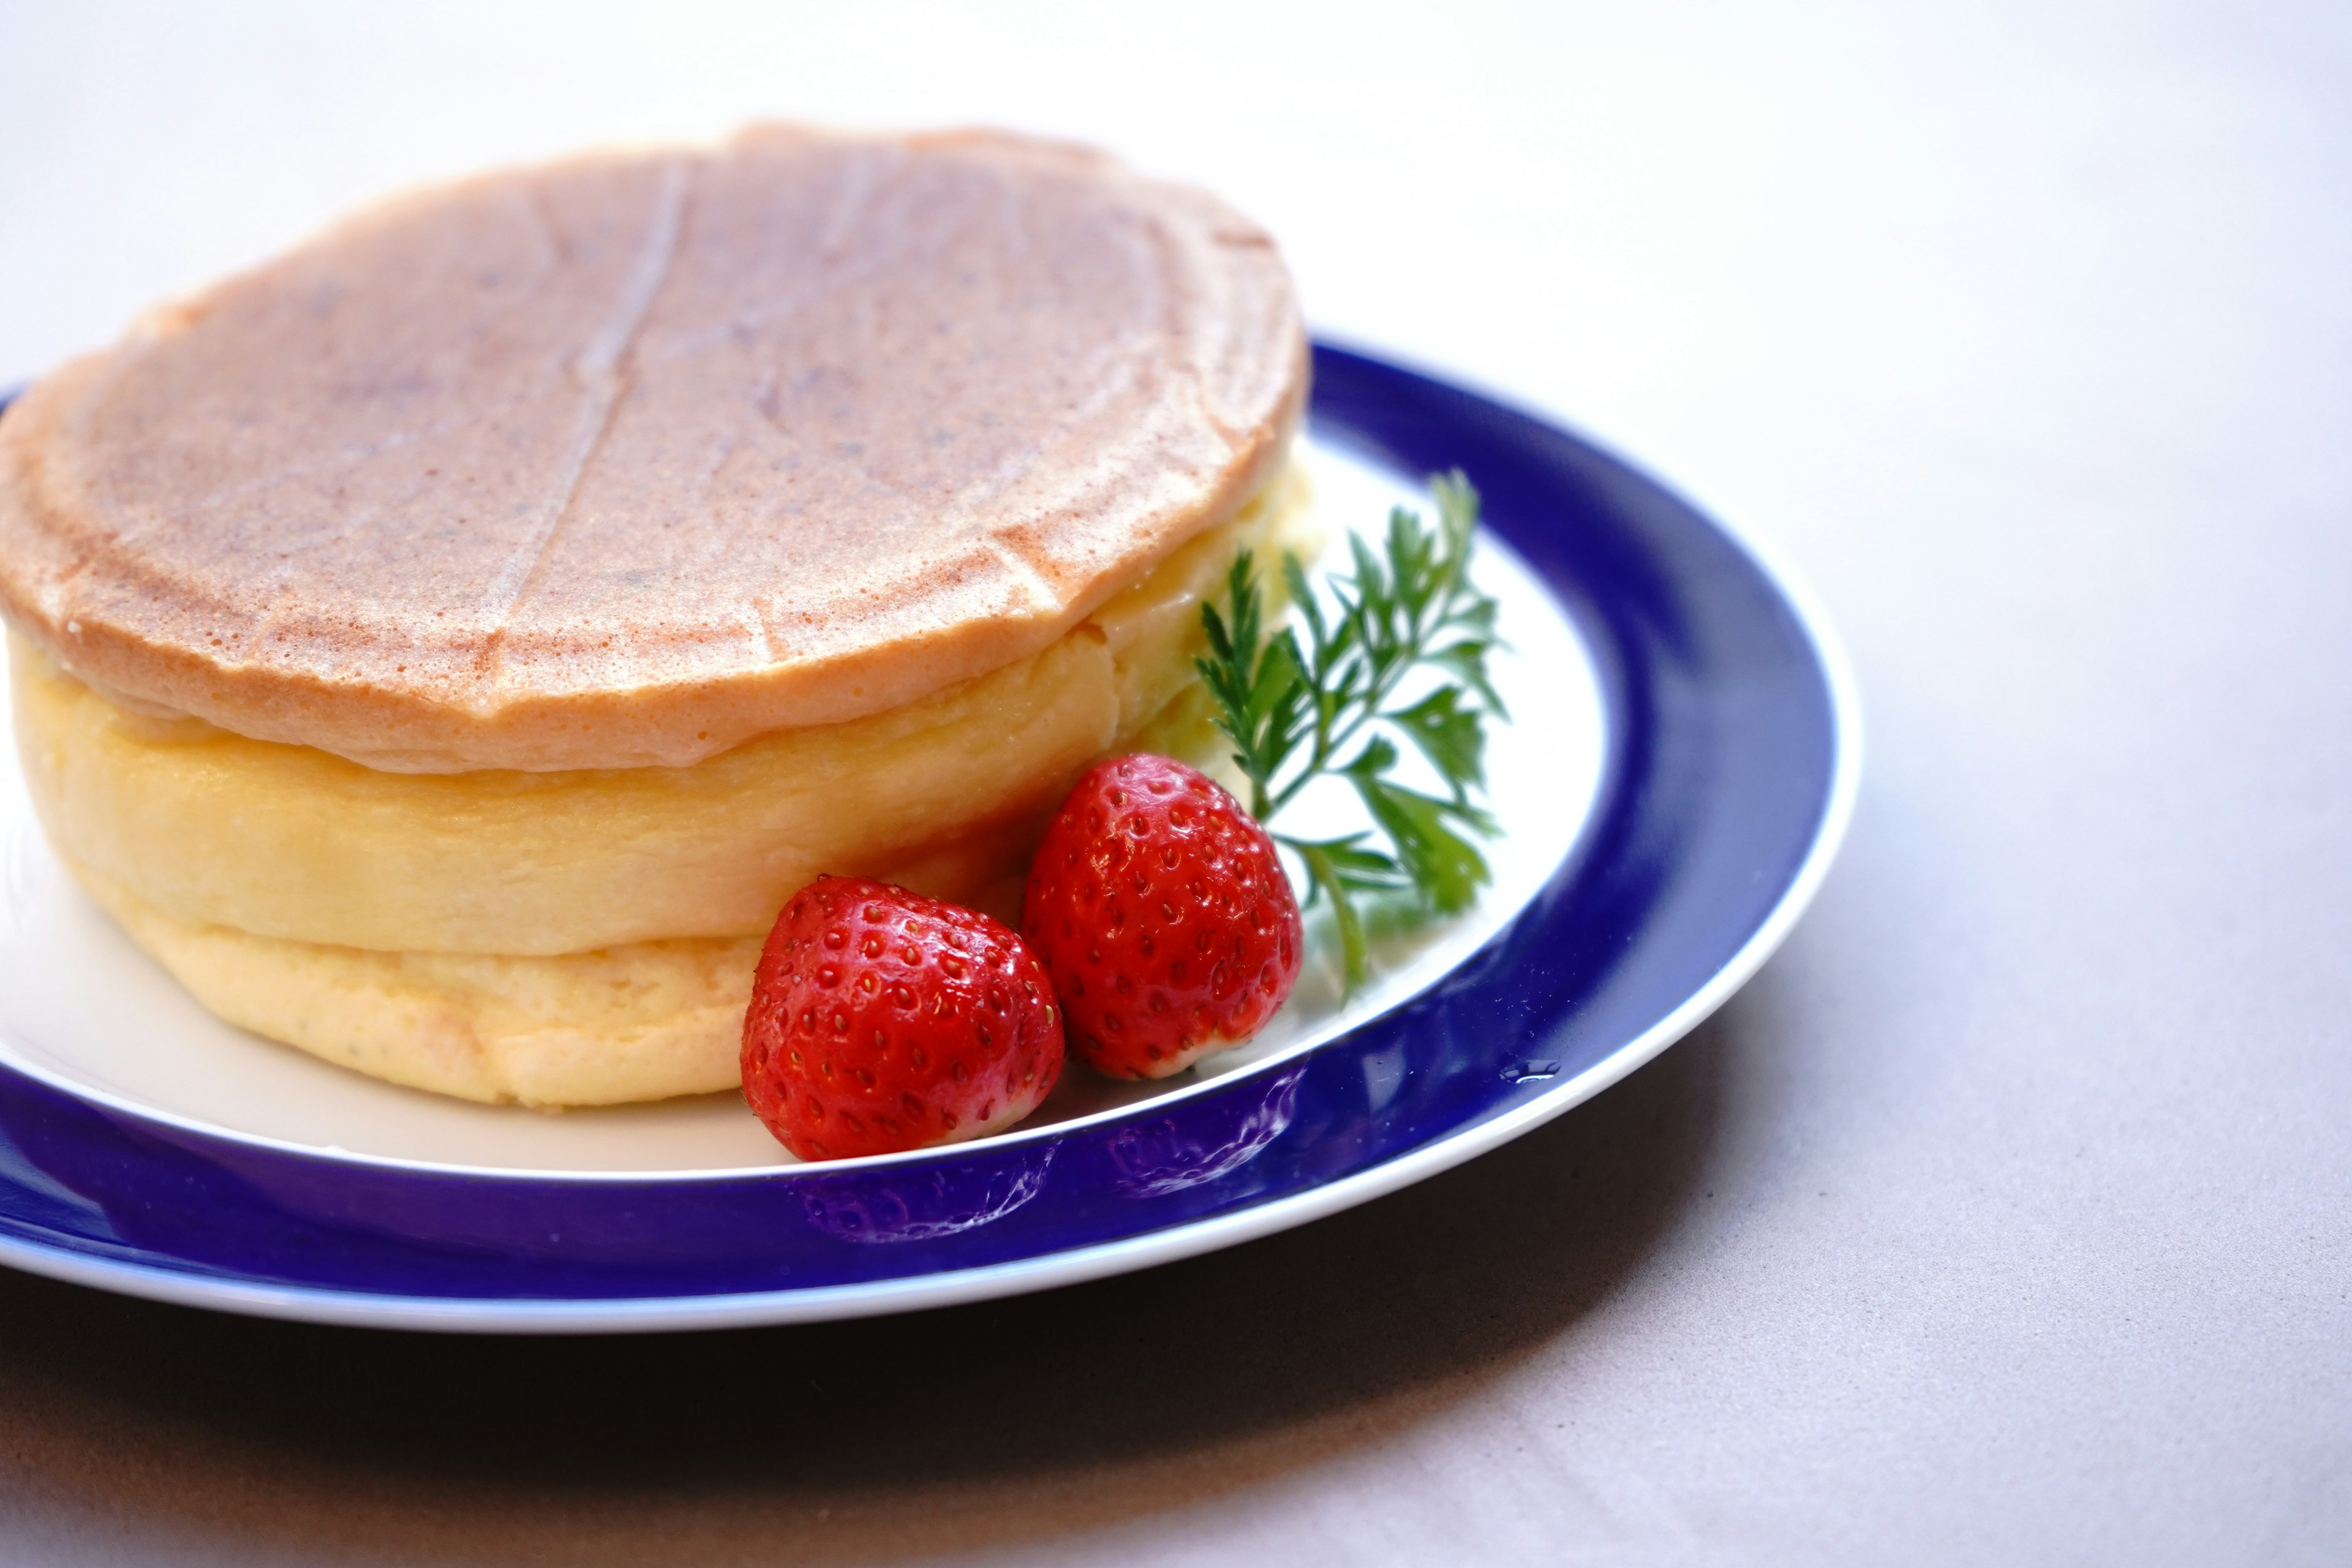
x=882 y=1020
x=1164 y=915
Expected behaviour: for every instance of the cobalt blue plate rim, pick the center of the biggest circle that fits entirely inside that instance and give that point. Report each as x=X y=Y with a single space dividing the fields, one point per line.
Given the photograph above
x=1733 y=763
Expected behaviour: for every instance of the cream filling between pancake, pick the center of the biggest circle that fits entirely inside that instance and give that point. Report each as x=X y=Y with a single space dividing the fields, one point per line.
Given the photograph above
x=586 y=937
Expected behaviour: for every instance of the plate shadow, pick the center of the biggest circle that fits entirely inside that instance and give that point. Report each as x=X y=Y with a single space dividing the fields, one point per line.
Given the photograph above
x=976 y=1426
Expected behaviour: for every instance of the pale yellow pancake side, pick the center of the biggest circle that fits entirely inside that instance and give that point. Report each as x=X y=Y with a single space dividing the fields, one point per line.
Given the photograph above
x=646 y=1021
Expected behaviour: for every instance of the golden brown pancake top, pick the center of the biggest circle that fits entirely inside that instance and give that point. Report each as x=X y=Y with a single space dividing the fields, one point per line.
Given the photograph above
x=625 y=459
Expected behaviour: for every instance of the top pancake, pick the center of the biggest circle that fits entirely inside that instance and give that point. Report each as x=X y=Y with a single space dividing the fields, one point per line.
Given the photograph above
x=624 y=460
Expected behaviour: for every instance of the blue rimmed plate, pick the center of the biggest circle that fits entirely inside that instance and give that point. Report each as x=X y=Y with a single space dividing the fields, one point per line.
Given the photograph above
x=1677 y=779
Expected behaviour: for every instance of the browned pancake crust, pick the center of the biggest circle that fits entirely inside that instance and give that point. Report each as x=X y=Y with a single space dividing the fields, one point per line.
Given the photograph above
x=624 y=460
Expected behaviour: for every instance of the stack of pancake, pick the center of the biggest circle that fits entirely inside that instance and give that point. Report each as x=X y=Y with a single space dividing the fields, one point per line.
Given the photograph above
x=445 y=646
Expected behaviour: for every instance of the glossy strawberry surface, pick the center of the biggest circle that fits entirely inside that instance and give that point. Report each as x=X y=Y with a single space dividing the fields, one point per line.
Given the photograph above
x=882 y=1020
x=1164 y=915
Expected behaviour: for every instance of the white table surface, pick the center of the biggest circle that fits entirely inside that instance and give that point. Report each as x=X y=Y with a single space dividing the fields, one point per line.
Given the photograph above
x=2006 y=1217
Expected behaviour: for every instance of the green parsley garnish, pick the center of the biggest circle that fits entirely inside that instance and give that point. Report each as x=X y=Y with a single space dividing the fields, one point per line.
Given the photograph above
x=1292 y=711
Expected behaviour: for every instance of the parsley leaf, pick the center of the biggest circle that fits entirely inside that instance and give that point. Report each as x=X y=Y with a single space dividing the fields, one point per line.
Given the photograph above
x=1292 y=707
x=1449 y=736
x=1258 y=685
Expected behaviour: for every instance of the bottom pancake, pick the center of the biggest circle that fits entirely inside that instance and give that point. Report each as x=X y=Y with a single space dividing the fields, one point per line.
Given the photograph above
x=644 y=1021
x=635 y=1021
